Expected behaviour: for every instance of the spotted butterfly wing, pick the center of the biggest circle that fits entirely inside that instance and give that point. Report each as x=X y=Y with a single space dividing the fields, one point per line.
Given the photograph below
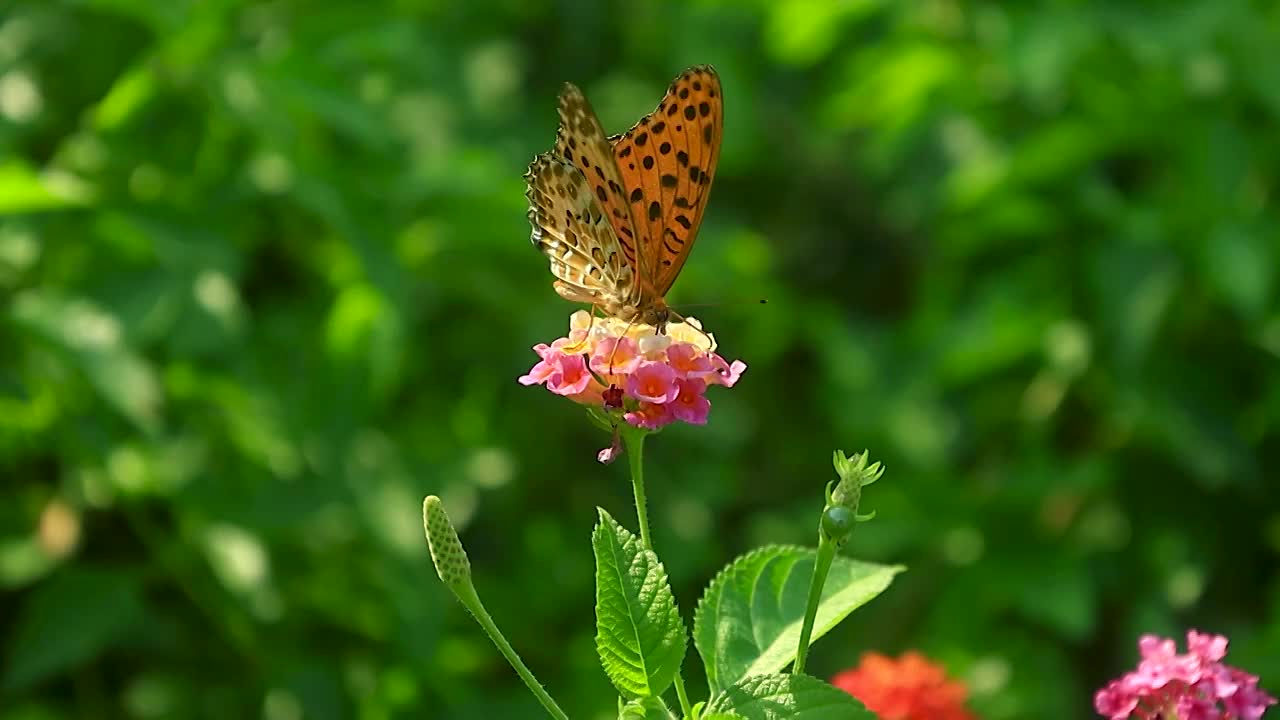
x=615 y=218
x=569 y=227
x=581 y=141
x=667 y=162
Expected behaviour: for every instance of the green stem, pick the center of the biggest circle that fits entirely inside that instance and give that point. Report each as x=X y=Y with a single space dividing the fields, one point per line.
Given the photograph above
x=467 y=594
x=633 y=439
x=683 y=697
x=826 y=554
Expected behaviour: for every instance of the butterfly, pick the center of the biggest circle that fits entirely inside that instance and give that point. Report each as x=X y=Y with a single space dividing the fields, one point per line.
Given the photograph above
x=617 y=216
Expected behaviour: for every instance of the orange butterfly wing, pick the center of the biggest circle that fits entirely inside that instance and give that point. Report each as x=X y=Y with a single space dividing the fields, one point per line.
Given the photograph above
x=667 y=163
x=581 y=141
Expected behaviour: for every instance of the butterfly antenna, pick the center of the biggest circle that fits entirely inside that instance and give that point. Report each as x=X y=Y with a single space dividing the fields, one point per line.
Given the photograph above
x=761 y=301
x=701 y=332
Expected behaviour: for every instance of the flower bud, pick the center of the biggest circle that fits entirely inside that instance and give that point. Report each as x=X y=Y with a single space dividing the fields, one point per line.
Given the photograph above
x=854 y=475
x=837 y=523
x=446 y=549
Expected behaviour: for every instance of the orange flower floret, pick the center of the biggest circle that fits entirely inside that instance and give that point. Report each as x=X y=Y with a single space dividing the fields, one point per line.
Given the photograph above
x=911 y=687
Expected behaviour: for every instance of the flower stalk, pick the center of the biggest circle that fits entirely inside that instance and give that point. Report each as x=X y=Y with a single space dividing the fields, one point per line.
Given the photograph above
x=839 y=516
x=454 y=569
x=633 y=441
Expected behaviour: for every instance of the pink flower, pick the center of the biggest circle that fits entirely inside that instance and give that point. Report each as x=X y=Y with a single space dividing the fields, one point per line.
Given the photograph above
x=653 y=382
x=689 y=361
x=726 y=374
x=650 y=416
x=691 y=405
x=615 y=356
x=633 y=374
x=1190 y=686
x=570 y=376
x=539 y=373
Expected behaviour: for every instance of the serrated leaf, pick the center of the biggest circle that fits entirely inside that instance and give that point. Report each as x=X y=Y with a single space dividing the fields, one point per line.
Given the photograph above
x=786 y=697
x=639 y=634
x=748 y=621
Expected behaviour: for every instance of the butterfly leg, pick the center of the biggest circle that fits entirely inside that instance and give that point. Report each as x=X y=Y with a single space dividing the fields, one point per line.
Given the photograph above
x=574 y=348
x=615 y=345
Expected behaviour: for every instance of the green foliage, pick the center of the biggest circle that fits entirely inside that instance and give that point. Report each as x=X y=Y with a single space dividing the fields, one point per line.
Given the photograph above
x=75 y=617
x=649 y=708
x=265 y=282
x=748 y=621
x=786 y=697
x=639 y=634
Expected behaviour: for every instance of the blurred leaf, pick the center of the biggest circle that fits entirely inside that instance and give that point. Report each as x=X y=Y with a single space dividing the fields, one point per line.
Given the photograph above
x=1241 y=265
x=93 y=339
x=801 y=32
x=23 y=191
x=1135 y=285
x=69 y=620
x=125 y=98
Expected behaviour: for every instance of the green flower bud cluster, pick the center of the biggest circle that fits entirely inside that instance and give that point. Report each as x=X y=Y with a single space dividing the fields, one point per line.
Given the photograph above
x=845 y=494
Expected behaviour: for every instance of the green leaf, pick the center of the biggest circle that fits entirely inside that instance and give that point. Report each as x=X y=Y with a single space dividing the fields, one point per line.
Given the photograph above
x=786 y=697
x=748 y=621
x=650 y=708
x=71 y=619
x=639 y=634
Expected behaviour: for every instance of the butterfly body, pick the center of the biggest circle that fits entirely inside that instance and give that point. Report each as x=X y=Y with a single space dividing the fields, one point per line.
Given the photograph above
x=617 y=216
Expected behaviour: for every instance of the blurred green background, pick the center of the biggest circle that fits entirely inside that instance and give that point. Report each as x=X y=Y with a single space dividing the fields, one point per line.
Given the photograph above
x=265 y=282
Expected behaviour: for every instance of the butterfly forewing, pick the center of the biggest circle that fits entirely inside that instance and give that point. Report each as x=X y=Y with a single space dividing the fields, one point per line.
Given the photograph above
x=581 y=140
x=570 y=228
x=667 y=162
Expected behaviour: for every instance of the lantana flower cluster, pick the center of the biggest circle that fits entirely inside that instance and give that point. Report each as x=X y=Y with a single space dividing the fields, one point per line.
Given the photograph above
x=652 y=379
x=911 y=687
x=1194 y=686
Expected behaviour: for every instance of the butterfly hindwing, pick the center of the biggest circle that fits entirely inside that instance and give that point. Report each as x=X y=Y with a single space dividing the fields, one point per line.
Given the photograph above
x=667 y=163
x=570 y=228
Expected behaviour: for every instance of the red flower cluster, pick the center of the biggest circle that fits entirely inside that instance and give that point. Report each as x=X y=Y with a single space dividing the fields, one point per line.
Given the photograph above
x=909 y=688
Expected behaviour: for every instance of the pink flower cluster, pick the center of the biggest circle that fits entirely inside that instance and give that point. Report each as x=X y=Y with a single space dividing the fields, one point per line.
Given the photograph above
x=652 y=379
x=1194 y=686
